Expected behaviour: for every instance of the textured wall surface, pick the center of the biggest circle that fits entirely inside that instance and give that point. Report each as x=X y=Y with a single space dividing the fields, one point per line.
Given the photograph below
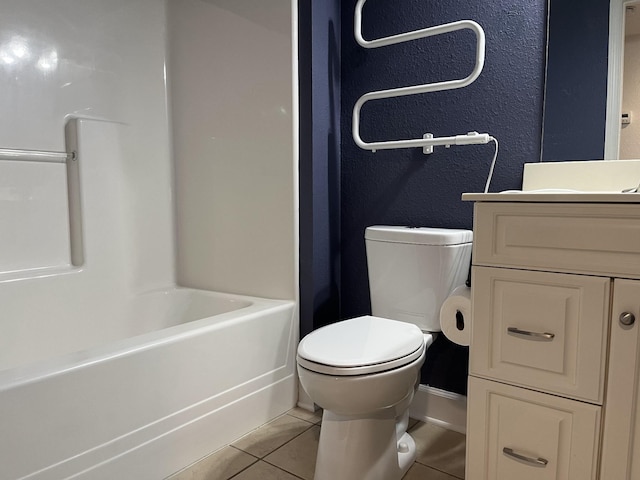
x=405 y=187
x=319 y=76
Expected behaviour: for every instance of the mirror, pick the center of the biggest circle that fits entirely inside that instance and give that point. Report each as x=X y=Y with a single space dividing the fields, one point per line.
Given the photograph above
x=584 y=101
x=575 y=104
x=629 y=133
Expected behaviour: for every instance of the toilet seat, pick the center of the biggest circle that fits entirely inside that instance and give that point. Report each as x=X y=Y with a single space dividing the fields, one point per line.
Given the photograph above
x=361 y=370
x=359 y=346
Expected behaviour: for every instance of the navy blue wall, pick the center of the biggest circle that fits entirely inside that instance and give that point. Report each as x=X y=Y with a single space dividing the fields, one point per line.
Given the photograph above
x=405 y=187
x=319 y=74
x=576 y=87
x=343 y=189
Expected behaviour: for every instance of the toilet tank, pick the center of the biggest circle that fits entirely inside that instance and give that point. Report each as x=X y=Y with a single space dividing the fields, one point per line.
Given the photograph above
x=413 y=270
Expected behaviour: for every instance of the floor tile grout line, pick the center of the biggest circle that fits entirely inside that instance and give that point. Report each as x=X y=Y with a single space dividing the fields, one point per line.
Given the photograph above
x=243 y=451
x=282 y=446
x=283 y=469
x=256 y=460
x=201 y=460
x=311 y=425
x=308 y=420
x=290 y=440
x=245 y=468
x=300 y=418
x=304 y=419
x=439 y=470
x=287 y=414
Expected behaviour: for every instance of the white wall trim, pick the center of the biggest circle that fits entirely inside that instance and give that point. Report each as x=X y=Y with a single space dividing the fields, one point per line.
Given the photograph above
x=442 y=408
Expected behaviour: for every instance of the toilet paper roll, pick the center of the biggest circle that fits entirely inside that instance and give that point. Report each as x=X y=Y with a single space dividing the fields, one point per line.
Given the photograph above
x=455 y=316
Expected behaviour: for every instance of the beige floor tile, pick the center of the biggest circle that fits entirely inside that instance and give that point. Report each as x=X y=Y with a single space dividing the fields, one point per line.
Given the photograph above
x=421 y=472
x=289 y=445
x=264 y=471
x=272 y=435
x=313 y=417
x=299 y=455
x=221 y=465
x=440 y=448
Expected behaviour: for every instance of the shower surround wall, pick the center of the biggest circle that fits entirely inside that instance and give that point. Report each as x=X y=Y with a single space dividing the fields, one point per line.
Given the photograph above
x=226 y=186
x=231 y=82
x=102 y=59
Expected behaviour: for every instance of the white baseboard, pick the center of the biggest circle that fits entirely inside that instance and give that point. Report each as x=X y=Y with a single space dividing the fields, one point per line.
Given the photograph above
x=442 y=408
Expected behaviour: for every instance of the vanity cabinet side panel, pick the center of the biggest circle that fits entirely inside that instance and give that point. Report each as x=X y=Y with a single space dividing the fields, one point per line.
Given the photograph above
x=621 y=431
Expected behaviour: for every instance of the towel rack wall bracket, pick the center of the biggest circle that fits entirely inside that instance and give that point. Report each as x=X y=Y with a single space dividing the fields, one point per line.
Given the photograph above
x=427 y=149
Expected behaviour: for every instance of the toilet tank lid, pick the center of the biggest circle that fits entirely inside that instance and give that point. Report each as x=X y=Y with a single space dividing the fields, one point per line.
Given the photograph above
x=361 y=341
x=418 y=235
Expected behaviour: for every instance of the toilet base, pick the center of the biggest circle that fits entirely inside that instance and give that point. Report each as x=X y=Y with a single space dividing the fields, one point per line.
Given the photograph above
x=406 y=453
x=363 y=448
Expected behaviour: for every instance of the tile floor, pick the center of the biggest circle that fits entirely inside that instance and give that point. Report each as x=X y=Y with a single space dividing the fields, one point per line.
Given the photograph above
x=285 y=449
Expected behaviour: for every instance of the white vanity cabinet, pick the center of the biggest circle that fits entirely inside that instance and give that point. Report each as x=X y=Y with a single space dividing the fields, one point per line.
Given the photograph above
x=555 y=348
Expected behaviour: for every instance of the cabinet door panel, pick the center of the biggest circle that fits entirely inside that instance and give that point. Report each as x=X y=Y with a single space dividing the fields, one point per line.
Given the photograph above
x=621 y=432
x=555 y=438
x=542 y=330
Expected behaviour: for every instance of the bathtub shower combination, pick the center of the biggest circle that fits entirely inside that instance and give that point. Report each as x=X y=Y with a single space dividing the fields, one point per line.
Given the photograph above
x=98 y=381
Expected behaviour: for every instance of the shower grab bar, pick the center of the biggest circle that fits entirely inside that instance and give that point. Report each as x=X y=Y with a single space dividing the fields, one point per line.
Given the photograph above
x=36 y=155
x=468 y=139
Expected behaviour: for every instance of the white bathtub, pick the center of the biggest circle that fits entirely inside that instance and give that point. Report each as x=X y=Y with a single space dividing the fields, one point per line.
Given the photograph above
x=203 y=369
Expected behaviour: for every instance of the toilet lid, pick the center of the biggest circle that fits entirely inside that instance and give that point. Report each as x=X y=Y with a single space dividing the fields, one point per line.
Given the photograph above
x=361 y=342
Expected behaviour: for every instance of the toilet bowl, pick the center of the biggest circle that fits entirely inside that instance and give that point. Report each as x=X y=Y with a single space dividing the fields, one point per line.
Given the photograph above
x=364 y=371
x=365 y=384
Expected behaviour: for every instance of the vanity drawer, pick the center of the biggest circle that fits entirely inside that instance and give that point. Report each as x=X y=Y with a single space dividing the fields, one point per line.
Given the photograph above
x=581 y=238
x=542 y=330
x=514 y=433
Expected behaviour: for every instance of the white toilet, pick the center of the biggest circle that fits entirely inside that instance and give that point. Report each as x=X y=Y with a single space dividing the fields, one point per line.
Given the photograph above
x=364 y=371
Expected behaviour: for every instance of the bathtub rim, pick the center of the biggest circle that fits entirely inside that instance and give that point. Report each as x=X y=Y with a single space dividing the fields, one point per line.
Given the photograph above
x=45 y=369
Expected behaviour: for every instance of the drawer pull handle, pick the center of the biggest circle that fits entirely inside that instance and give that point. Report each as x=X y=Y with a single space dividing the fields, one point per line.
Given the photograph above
x=536 y=462
x=531 y=335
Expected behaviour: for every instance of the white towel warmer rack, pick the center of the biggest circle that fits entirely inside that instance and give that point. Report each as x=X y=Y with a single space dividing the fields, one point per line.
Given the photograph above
x=36 y=155
x=426 y=142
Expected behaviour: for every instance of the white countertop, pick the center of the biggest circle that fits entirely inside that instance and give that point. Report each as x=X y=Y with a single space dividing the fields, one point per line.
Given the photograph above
x=554 y=197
